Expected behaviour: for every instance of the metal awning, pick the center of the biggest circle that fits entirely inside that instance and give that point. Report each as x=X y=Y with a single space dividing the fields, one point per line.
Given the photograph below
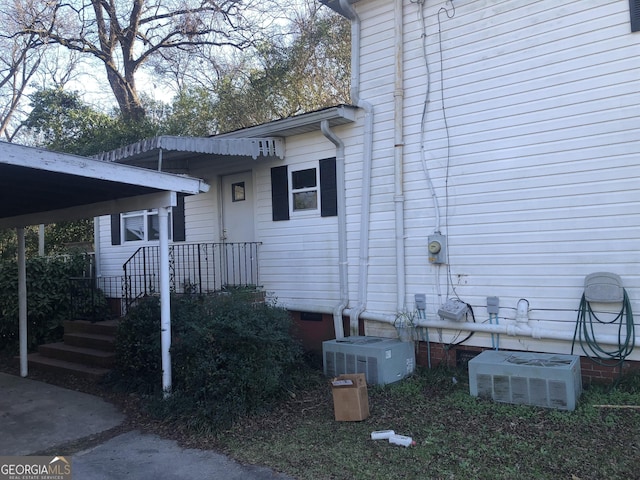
x=265 y=141
x=39 y=186
x=173 y=147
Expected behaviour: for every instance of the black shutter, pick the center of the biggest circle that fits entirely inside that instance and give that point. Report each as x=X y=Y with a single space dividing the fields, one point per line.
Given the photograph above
x=280 y=193
x=115 y=229
x=634 y=11
x=177 y=216
x=328 y=188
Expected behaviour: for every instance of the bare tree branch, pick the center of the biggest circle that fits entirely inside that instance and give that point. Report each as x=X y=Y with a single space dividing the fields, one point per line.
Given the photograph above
x=124 y=34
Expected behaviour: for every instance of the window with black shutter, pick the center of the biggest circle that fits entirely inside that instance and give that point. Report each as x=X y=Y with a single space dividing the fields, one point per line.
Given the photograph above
x=634 y=11
x=306 y=190
x=280 y=193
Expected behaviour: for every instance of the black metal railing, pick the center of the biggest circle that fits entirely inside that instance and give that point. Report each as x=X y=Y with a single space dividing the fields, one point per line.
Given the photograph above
x=194 y=268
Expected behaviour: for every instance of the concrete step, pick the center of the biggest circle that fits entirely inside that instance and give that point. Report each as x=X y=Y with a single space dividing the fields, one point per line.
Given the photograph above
x=71 y=353
x=48 y=364
x=90 y=340
x=107 y=327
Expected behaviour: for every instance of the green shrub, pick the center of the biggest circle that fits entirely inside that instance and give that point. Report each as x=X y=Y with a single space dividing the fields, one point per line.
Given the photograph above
x=230 y=357
x=48 y=283
x=137 y=348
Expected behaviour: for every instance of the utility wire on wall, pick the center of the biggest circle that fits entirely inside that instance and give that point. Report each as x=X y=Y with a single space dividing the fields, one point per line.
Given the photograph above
x=450 y=13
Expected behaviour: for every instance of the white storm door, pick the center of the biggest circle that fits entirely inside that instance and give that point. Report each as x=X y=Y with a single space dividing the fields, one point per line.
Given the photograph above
x=237 y=208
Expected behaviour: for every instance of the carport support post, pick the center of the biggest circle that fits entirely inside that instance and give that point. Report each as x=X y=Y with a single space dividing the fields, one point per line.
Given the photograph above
x=22 y=302
x=165 y=299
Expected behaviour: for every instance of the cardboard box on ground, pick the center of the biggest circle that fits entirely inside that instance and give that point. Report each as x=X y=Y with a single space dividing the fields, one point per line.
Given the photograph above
x=350 y=397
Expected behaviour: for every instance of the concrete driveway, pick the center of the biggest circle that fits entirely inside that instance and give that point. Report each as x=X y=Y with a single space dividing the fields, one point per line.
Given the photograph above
x=36 y=417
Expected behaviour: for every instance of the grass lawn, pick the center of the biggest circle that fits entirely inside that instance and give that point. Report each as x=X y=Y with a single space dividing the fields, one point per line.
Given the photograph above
x=457 y=436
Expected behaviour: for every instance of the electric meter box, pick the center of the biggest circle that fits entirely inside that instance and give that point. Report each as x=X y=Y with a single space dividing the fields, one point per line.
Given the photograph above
x=382 y=360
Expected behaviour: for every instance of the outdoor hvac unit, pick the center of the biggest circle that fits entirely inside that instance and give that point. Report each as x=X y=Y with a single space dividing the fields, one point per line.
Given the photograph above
x=382 y=360
x=545 y=380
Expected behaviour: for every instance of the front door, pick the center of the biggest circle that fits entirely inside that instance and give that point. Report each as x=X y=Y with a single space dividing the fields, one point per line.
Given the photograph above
x=237 y=208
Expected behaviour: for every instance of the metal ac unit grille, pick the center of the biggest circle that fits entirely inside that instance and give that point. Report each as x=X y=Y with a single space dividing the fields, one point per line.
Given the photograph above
x=382 y=360
x=337 y=363
x=543 y=380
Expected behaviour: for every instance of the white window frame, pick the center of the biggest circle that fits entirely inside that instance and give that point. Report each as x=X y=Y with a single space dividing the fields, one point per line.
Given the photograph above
x=146 y=218
x=293 y=212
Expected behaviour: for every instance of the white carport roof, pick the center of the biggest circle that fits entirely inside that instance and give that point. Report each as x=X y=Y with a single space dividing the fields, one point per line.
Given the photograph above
x=40 y=186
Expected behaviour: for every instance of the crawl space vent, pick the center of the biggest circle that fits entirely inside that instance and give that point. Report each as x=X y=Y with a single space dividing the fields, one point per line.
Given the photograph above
x=544 y=380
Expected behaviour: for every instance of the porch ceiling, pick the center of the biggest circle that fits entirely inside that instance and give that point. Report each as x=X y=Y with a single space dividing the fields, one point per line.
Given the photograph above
x=40 y=186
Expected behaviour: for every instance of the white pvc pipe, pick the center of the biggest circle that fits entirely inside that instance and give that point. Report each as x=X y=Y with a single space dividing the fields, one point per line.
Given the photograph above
x=512 y=329
x=342 y=230
x=517 y=329
x=165 y=299
x=22 y=302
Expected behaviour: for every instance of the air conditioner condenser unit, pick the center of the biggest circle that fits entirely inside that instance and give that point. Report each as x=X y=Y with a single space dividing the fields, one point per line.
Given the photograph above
x=541 y=379
x=382 y=360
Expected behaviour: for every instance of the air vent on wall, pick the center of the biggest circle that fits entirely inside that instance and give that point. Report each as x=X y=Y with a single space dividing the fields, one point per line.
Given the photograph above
x=544 y=380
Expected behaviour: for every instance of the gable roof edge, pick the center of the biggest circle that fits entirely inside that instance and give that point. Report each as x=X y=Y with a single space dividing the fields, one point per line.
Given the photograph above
x=304 y=123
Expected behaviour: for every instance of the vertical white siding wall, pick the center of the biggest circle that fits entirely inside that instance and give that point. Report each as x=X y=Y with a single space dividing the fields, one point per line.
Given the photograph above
x=201 y=222
x=299 y=256
x=376 y=87
x=537 y=172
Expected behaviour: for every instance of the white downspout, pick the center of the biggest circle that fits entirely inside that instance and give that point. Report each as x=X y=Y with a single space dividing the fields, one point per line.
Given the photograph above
x=398 y=199
x=22 y=302
x=365 y=215
x=342 y=230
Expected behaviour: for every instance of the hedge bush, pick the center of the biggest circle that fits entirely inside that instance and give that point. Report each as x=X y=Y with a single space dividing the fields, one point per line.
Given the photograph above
x=48 y=284
x=230 y=357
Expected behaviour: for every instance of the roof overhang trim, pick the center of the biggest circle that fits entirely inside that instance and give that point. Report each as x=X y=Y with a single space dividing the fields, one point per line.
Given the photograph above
x=304 y=123
x=338 y=6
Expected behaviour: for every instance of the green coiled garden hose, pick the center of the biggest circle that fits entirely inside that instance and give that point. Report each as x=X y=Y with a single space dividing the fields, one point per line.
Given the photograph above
x=585 y=333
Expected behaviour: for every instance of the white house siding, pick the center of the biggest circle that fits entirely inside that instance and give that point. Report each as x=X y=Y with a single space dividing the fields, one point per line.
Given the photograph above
x=299 y=256
x=376 y=88
x=540 y=185
x=202 y=221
